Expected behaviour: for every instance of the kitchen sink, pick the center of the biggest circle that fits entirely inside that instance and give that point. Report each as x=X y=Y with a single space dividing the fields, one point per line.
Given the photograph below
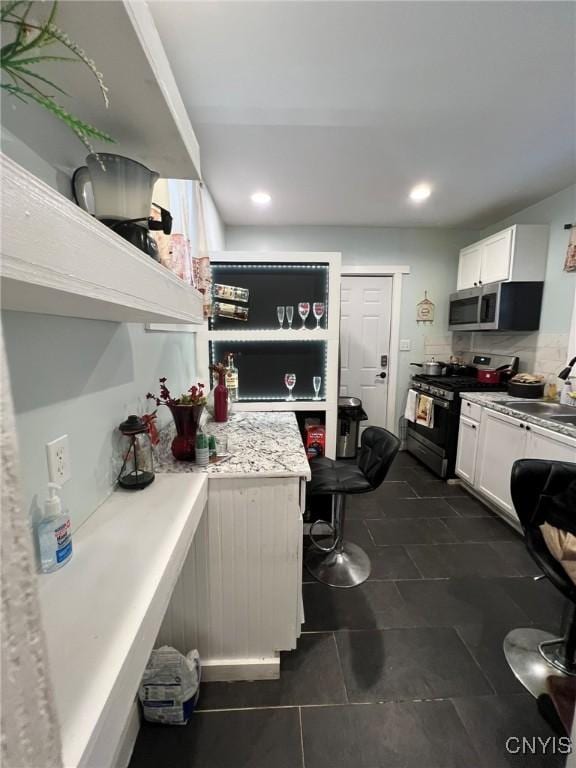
x=548 y=410
x=565 y=418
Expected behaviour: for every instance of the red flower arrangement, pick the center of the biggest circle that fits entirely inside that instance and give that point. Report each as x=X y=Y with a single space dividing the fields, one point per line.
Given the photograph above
x=194 y=396
x=186 y=411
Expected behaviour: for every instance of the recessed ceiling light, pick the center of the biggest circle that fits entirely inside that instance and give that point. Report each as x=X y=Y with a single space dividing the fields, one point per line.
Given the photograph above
x=420 y=192
x=261 y=198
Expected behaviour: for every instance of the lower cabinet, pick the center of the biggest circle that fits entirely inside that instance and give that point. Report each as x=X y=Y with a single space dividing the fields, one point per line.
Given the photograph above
x=488 y=450
x=468 y=435
x=502 y=441
x=544 y=444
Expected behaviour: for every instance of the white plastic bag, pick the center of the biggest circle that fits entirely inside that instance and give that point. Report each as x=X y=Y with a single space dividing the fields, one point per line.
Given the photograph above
x=170 y=686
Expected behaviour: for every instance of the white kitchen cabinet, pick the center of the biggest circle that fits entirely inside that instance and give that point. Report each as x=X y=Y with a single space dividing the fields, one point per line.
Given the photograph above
x=497 y=257
x=502 y=441
x=486 y=454
x=515 y=253
x=544 y=444
x=469 y=266
x=467 y=449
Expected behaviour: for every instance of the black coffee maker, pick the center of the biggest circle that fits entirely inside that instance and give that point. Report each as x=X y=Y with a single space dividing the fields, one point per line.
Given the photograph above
x=118 y=192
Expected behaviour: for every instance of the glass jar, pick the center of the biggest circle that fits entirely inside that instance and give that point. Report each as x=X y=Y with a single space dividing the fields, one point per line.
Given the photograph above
x=138 y=459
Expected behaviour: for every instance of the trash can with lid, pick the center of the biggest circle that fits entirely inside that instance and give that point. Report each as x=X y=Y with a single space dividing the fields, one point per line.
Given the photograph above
x=350 y=414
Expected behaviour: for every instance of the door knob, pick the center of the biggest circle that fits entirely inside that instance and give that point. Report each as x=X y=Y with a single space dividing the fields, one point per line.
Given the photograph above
x=382 y=375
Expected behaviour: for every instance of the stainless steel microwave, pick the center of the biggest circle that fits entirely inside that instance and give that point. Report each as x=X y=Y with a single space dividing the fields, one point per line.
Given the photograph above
x=511 y=306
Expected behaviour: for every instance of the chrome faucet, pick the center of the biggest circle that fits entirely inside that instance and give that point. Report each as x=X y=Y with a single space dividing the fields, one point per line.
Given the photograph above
x=565 y=372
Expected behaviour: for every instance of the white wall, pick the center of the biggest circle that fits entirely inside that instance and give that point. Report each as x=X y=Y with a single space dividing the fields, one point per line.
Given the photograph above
x=432 y=255
x=82 y=378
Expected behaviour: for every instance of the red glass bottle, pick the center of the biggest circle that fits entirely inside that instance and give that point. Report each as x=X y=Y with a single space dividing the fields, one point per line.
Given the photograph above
x=221 y=399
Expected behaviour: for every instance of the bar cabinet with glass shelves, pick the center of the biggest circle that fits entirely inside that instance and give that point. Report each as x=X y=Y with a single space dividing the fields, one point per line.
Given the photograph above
x=282 y=327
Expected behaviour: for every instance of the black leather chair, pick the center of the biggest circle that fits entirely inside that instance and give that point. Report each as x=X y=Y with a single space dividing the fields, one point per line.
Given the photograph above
x=344 y=564
x=544 y=491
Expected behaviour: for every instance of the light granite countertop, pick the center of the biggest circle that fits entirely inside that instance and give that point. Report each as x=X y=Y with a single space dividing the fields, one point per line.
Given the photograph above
x=265 y=444
x=495 y=400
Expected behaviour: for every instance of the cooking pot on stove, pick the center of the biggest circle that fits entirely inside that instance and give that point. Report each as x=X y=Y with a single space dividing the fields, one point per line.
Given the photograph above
x=431 y=368
x=489 y=375
x=460 y=369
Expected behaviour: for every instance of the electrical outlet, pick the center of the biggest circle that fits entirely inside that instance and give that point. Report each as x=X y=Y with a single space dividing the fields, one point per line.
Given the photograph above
x=58 y=455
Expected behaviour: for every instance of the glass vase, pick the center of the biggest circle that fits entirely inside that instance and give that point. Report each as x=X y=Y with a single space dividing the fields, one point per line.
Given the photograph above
x=186 y=419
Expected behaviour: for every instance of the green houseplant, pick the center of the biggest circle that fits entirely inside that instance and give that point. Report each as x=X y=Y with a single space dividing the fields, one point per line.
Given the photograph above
x=32 y=44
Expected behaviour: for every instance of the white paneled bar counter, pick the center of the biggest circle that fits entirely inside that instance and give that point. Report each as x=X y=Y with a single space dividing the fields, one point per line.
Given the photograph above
x=239 y=596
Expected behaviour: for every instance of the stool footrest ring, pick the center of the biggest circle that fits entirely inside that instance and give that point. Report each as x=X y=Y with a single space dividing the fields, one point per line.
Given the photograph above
x=318 y=546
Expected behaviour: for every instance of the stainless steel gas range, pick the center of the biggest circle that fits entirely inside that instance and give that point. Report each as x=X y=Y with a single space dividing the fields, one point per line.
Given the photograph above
x=436 y=446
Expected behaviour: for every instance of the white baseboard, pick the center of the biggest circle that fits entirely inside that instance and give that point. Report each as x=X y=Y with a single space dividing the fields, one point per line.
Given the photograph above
x=512 y=521
x=128 y=738
x=229 y=670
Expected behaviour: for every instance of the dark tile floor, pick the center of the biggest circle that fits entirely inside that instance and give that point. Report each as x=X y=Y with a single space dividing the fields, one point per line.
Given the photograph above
x=404 y=671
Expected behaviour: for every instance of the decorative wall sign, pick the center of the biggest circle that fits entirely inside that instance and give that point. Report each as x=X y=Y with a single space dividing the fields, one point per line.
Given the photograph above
x=570 y=263
x=425 y=310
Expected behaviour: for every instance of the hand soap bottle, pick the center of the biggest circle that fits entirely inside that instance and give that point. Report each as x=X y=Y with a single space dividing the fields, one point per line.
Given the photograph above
x=54 y=533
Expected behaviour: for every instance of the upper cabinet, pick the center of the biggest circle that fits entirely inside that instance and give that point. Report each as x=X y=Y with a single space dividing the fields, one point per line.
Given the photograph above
x=516 y=253
x=469 y=266
x=497 y=257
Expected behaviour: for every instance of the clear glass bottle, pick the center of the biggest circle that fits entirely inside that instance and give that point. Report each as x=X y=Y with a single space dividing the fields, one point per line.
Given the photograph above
x=232 y=378
x=232 y=311
x=231 y=292
x=202 y=449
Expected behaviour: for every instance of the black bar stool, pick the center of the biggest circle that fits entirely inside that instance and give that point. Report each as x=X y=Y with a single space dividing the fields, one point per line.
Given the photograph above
x=543 y=491
x=344 y=564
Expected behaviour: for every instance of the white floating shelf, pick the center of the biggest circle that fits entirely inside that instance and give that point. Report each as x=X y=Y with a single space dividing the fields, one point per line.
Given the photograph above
x=271 y=335
x=147 y=117
x=284 y=405
x=103 y=610
x=59 y=260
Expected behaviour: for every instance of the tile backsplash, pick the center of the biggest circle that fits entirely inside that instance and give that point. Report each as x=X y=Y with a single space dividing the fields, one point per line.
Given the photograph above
x=543 y=353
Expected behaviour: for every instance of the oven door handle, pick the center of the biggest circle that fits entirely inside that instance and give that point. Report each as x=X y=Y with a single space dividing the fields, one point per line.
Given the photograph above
x=437 y=401
x=440 y=403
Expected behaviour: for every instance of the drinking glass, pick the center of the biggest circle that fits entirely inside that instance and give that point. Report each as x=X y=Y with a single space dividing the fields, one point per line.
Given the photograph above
x=318 y=311
x=221 y=445
x=304 y=311
x=289 y=316
x=290 y=380
x=280 y=315
x=317 y=383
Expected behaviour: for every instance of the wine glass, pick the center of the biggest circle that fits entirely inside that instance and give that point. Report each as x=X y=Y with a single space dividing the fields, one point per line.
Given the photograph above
x=280 y=315
x=304 y=311
x=289 y=316
x=317 y=383
x=290 y=381
x=318 y=311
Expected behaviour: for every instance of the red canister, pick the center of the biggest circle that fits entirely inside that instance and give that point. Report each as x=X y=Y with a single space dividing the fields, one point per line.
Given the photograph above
x=488 y=375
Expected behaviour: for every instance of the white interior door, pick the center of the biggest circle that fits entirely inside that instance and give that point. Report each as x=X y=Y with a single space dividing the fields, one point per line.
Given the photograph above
x=365 y=313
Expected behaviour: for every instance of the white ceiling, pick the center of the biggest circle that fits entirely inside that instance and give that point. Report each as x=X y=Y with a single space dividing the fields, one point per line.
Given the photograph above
x=338 y=108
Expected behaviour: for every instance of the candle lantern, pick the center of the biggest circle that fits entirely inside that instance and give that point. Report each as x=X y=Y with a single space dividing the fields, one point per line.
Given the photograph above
x=138 y=468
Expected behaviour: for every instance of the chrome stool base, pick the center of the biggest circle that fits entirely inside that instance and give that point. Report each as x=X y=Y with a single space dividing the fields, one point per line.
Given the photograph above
x=345 y=568
x=534 y=656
